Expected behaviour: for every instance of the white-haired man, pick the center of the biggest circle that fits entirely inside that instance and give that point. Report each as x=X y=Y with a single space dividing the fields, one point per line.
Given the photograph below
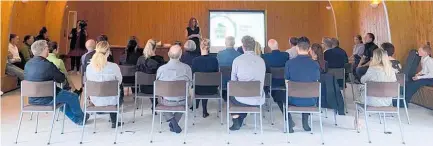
x=189 y=53
x=174 y=70
x=39 y=69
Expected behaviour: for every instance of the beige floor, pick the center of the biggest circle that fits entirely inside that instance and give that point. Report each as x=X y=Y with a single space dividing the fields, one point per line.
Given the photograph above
x=209 y=132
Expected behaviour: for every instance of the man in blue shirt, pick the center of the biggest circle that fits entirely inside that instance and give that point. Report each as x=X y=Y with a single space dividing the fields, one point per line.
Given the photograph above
x=39 y=69
x=225 y=58
x=276 y=59
x=336 y=57
x=205 y=63
x=302 y=69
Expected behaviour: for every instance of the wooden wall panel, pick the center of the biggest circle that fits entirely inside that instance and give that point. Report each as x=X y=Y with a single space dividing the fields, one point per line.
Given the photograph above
x=167 y=21
x=344 y=13
x=28 y=18
x=369 y=19
x=54 y=12
x=6 y=11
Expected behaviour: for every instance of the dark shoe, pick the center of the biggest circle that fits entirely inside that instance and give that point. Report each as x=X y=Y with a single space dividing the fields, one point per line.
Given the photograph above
x=113 y=125
x=305 y=122
x=205 y=115
x=171 y=127
x=291 y=123
x=236 y=124
x=175 y=125
x=191 y=108
x=78 y=92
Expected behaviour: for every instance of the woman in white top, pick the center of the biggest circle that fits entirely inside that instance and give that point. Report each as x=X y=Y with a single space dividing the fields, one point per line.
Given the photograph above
x=380 y=70
x=100 y=70
x=13 y=53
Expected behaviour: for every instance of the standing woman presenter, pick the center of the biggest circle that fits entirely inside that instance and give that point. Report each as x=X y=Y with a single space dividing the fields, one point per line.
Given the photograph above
x=193 y=33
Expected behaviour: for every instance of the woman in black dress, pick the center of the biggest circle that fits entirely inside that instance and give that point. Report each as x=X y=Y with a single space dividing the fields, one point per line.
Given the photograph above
x=193 y=33
x=78 y=37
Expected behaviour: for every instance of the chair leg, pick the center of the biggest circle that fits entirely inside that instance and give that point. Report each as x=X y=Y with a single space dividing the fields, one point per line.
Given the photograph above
x=117 y=127
x=311 y=123
x=142 y=109
x=353 y=91
x=37 y=122
x=407 y=113
x=82 y=129
x=384 y=123
x=335 y=117
x=401 y=129
x=194 y=110
x=52 y=126
x=255 y=122
x=64 y=117
x=357 y=119
x=121 y=120
x=57 y=117
x=94 y=123
x=366 y=126
x=31 y=116
x=321 y=128
x=285 y=119
x=19 y=127
x=380 y=118
x=220 y=111
x=344 y=100
x=261 y=126
x=153 y=123
x=186 y=126
x=160 y=123
x=135 y=108
x=228 y=117
x=326 y=113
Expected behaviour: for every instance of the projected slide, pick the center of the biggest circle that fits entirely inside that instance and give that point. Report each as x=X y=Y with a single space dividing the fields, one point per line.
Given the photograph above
x=236 y=24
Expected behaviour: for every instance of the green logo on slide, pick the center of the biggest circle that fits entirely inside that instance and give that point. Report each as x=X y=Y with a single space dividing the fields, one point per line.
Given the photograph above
x=220 y=31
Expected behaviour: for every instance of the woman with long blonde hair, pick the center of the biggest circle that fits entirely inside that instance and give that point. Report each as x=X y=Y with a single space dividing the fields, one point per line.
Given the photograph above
x=100 y=70
x=258 y=49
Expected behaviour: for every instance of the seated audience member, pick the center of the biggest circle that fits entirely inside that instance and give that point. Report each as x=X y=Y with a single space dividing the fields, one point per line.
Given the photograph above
x=89 y=56
x=174 y=70
x=189 y=53
x=334 y=55
x=240 y=50
x=100 y=70
x=258 y=49
x=358 y=50
x=302 y=69
x=149 y=64
x=316 y=54
x=90 y=46
x=292 y=51
x=25 y=50
x=39 y=69
x=225 y=57
x=389 y=48
x=369 y=47
x=205 y=63
x=13 y=53
x=276 y=59
x=43 y=35
x=132 y=53
x=247 y=67
x=425 y=76
x=52 y=57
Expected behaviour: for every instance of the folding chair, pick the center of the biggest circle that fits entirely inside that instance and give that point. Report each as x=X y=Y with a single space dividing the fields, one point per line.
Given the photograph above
x=339 y=74
x=39 y=90
x=102 y=89
x=304 y=90
x=170 y=89
x=268 y=96
x=380 y=90
x=244 y=89
x=277 y=73
x=226 y=71
x=348 y=69
x=127 y=71
x=401 y=79
x=146 y=80
x=208 y=79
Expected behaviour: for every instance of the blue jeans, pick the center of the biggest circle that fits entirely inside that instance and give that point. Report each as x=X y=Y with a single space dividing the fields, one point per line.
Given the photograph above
x=413 y=86
x=73 y=110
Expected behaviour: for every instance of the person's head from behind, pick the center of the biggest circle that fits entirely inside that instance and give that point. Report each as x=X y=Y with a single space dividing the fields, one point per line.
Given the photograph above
x=381 y=60
x=190 y=46
x=248 y=43
x=149 y=48
x=40 y=48
x=369 y=37
x=204 y=46
x=193 y=23
x=388 y=47
x=99 y=59
x=303 y=46
x=175 y=52
x=14 y=39
x=327 y=43
x=293 y=41
x=335 y=42
x=29 y=39
x=258 y=49
x=53 y=47
x=90 y=45
x=424 y=50
x=316 y=51
x=357 y=39
x=273 y=44
x=102 y=37
x=43 y=32
x=230 y=42
x=131 y=47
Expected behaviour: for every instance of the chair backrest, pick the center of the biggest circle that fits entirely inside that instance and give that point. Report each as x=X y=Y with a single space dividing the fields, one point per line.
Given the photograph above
x=127 y=70
x=226 y=70
x=142 y=78
x=277 y=72
x=348 y=67
x=244 y=88
x=382 y=89
x=303 y=89
x=268 y=80
x=338 y=73
x=207 y=79
x=170 y=88
x=401 y=79
x=38 y=89
x=102 y=89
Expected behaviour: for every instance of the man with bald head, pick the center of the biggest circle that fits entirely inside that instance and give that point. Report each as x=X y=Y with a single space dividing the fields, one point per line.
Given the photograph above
x=90 y=46
x=276 y=59
x=174 y=70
